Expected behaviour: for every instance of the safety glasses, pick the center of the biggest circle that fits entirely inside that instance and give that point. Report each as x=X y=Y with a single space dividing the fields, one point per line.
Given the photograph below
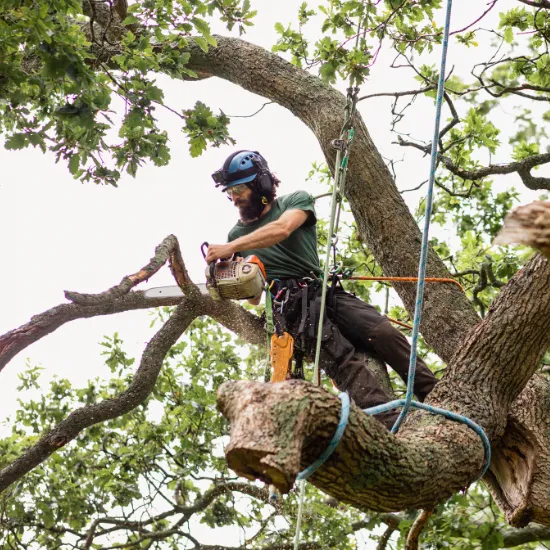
x=236 y=189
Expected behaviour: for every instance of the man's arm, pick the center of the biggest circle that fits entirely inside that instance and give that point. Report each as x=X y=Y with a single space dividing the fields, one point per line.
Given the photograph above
x=265 y=236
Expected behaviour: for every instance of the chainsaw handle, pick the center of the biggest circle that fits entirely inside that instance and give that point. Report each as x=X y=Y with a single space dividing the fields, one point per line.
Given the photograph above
x=212 y=265
x=204 y=249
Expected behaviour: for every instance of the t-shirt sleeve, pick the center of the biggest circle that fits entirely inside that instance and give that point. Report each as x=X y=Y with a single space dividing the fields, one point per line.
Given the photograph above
x=301 y=200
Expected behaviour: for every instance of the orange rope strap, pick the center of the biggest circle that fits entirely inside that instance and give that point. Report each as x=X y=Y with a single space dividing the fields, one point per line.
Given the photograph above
x=406 y=280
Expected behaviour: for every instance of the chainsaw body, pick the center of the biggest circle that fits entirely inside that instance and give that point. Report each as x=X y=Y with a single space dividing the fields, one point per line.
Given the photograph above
x=235 y=280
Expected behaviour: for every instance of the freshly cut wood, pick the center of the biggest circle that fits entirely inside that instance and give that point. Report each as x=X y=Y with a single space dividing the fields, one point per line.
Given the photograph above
x=528 y=225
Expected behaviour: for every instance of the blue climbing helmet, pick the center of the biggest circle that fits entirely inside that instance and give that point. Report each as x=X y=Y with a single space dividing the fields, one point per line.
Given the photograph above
x=244 y=167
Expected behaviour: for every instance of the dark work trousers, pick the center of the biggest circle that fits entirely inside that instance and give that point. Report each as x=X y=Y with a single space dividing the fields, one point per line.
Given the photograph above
x=353 y=325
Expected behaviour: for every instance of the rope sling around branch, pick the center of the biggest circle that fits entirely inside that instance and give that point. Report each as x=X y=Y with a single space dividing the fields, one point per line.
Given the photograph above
x=337 y=195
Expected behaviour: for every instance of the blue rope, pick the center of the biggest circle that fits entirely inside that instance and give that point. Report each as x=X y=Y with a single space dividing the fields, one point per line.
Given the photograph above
x=428 y=215
x=344 y=415
x=407 y=403
x=447 y=414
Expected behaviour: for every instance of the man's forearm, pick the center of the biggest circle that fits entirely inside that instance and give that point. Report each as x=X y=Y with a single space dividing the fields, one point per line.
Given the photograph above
x=265 y=236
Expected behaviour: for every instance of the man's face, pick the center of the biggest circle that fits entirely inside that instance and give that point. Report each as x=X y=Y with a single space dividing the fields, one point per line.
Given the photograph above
x=249 y=204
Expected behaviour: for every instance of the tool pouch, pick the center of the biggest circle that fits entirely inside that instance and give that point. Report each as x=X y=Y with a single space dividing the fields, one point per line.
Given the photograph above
x=282 y=349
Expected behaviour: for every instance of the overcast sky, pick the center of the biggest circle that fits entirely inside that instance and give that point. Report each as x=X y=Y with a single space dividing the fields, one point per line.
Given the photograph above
x=57 y=234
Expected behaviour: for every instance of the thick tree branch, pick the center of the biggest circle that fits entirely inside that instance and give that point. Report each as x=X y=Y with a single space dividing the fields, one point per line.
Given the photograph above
x=279 y=429
x=119 y=299
x=168 y=250
x=515 y=537
x=140 y=387
x=14 y=341
x=544 y=4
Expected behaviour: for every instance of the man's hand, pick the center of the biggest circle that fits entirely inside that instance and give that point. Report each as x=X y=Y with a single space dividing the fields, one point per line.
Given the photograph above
x=219 y=252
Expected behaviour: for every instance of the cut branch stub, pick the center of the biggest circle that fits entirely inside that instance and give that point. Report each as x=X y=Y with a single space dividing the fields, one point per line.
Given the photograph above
x=528 y=225
x=519 y=479
x=277 y=430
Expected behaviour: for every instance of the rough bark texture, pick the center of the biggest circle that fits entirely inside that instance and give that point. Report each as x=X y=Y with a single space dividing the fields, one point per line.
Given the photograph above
x=529 y=225
x=382 y=216
x=519 y=478
x=278 y=430
x=431 y=458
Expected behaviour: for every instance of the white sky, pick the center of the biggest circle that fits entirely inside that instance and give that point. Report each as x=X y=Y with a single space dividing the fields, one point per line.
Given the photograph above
x=57 y=234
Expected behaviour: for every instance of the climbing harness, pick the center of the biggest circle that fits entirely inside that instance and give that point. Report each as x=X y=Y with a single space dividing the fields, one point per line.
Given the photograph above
x=342 y=145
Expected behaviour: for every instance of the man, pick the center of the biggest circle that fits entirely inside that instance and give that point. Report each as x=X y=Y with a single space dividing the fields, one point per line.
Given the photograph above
x=281 y=232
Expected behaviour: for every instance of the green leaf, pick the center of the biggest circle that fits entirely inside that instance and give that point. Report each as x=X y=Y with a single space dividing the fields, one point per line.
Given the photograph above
x=131 y=20
x=509 y=35
x=203 y=44
x=202 y=26
x=17 y=141
x=197 y=146
x=74 y=164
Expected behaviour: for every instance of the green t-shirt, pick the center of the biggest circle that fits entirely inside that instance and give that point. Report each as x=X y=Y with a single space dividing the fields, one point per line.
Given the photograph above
x=296 y=256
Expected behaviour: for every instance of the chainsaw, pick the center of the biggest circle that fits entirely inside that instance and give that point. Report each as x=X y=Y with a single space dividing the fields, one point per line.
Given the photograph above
x=233 y=279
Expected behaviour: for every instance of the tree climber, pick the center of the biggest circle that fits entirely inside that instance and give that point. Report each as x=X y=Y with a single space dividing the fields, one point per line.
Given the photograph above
x=281 y=231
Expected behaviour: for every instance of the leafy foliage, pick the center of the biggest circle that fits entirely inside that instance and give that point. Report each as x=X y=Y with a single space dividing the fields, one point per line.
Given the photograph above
x=63 y=63
x=154 y=477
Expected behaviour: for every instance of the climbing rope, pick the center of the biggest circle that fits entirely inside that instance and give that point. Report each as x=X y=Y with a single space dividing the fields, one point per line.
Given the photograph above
x=343 y=422
x=343 y=145
x=427 y=220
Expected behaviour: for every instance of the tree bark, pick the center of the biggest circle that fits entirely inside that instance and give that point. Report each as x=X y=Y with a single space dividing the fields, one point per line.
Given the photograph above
x=382 y=216
x=528 y=225
x=488 y=366
x=279 y=429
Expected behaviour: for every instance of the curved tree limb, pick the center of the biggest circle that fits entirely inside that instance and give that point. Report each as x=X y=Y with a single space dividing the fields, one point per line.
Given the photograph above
x=119 y=298
x=168 y=250
x=413 y=537
x=140 y=387
x=522 y=167
x=279 y=429
x=42 y=324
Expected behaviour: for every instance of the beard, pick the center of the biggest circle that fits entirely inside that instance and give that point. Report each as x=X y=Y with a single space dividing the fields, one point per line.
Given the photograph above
x=250 y=210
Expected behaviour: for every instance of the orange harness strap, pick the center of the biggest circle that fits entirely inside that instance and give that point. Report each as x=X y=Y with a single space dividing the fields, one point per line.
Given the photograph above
x=406 y=280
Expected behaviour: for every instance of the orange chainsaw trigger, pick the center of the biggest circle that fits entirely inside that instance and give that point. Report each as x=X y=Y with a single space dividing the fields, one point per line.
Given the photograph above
x=282 y=349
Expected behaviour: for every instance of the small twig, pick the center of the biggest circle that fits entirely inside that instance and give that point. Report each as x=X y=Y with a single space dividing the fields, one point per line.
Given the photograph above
x=253 y=114
x=399 y=94
x=385 y=538
x=417 y=527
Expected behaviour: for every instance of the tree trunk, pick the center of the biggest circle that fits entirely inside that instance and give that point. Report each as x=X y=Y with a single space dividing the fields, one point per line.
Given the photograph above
x=279 y=429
